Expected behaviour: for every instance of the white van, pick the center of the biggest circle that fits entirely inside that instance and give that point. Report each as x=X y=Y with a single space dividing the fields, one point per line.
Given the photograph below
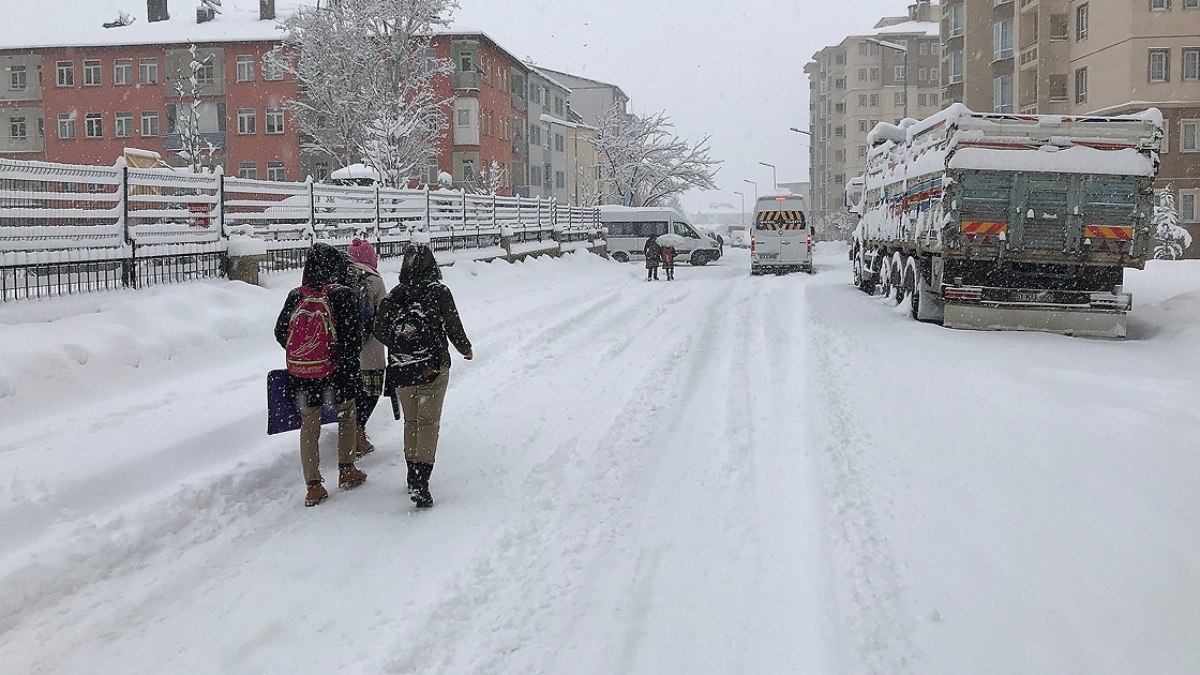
x=630 y=227
x=739 y=236
x=781 y=240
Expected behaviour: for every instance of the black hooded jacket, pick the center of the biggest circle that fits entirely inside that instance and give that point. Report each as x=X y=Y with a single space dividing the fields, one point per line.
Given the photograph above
x=327 y=266
x=421 y=282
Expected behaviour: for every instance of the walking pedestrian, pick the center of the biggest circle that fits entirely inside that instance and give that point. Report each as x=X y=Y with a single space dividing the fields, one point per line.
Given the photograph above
x=668 y=258
x=653 y=254
x=320 y=330
x=374 y=356
x=416 y=321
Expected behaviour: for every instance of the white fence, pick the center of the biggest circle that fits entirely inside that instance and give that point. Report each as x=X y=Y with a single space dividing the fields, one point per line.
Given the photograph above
x=70 y=221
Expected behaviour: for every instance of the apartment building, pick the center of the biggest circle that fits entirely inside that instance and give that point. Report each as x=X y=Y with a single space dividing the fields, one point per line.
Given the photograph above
x=489 y=107
x=82 y=90
x=548 y=103
x=591 y=99
x=884 y=76
x=1081 y=57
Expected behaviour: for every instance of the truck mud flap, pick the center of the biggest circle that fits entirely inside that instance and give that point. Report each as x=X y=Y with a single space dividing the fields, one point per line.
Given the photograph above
x=1065 y=321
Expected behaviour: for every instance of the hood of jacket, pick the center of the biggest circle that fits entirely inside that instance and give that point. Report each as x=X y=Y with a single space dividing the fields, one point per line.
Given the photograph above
x=419 y=268
x=325 y=265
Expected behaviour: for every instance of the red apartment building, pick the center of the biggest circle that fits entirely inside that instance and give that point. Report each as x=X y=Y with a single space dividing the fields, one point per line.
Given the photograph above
x=78 y=92
x=489 y=102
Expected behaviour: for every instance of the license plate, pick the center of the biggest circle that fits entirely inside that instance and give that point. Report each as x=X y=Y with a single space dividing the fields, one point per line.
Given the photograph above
x=768 y=256
x=1029 y=296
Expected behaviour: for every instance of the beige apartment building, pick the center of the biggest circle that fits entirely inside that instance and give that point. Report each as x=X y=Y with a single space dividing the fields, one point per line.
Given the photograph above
x=1080 y=57
x=858 y=83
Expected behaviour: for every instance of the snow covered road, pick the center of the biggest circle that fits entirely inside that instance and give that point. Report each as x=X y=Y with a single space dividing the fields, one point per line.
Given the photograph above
x=723 y=474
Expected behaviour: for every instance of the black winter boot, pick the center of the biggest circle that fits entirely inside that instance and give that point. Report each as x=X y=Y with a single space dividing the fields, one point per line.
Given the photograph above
x=418 y=484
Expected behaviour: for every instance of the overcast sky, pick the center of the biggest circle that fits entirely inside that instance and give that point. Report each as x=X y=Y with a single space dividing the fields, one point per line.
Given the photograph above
x=730 y=69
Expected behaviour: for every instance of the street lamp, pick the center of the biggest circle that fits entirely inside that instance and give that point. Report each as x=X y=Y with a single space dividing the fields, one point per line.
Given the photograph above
x=903 y=50
x=801 y=131
x=774 y=175
x=744 y=180
x=742 y=219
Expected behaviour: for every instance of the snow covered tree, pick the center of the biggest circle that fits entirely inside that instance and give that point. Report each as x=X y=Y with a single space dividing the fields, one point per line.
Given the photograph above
x=367 y=81
x=1172 y=239
x=194 y=149
x=493 y=179
x=647 y=162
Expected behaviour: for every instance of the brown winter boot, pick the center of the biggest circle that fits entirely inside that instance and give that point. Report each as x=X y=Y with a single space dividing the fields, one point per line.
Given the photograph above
x=316 y=494
x=350 y=477
x=363 y=444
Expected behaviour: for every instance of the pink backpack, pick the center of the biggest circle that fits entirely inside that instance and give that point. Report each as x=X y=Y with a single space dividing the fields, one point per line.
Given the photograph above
x=312 y=338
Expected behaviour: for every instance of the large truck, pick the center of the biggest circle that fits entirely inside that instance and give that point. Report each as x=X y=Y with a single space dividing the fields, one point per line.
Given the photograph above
x=996 y=221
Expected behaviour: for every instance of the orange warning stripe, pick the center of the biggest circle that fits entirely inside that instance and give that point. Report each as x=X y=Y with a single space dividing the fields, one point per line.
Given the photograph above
x=983 y=227
x=1106 y=232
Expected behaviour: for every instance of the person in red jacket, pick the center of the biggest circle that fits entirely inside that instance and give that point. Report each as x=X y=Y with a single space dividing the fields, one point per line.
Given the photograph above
x=668 y=259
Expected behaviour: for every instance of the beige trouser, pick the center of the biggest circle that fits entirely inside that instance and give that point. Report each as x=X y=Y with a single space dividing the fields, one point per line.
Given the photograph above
x=422 y=406
x=310 y=436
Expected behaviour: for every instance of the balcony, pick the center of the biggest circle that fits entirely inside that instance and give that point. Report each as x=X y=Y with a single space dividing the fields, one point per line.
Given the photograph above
x=174 y=142
x=1029 y=57
x=467 y=80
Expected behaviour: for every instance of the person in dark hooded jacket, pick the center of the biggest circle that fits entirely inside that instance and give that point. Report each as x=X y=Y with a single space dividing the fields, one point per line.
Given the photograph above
x=420 y=293
x=323 y=269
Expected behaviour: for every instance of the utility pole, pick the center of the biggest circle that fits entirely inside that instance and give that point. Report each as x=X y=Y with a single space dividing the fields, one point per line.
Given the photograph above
x=774 y=175
x=744 y=180
x=742 y=219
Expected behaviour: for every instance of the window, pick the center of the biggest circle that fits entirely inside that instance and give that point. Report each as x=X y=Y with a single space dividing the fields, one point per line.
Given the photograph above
x=321 y=170
x=124 y=124
x=274 y=120
x=956 y=20
x=535 y=136
x=955 y=65
x=468 y=167
x=862 y=74
x=66 y=73
x=546 y=176
x=862 y=49
x=41 y=126
x=148 y=71
x=935 y=74
x=246 y=118
x=206 y=73
x=1187 y=207
x=839 y=59
x=559 y=105
x=839 y=156
x=862 y=100
x=91 y=73
x=276 y=171
x=874 y=100
x=464 y=117
x=922 y=100
x=123 y=71
x=535 y=175
x=17 y=129
x=839 y=131
x=150 y=123
x=1189 y=135
x=862 y=127
x=1002 y=94
x=874 y=74
x=1191 y=63
x=466 y=62
x=923 y=75
x=560 y=180
x=245 y=68
x=559 y=143
x=839 y=108
x=1081 y=85
x=93 y=125
x=1160 y=65
x=247 y=170
x=272 y=69
x=901 y=73
x=1081 y=22
x=1191 y=4
x=898 y=99
x=18 y=79
x=839 y=83
x=923 y=49
x=66 y=125
x=1002 y=39
x=862 y=151
x=1159 y=5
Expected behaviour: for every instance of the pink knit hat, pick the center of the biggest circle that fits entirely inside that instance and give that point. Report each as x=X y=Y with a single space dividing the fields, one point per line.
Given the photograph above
x=361 y=251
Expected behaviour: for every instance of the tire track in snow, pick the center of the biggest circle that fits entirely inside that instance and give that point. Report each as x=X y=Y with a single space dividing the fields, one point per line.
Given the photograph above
x=523 y=582
x=877 y=630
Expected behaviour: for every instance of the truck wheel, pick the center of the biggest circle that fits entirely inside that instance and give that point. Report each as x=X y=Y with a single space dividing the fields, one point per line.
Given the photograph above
x=856 y=264
x=900 y=272
x=885 y=278
x=621 y=257
x=699 y=259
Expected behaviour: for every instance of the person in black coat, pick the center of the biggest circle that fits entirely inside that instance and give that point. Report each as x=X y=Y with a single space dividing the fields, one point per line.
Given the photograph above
x=653 y=256
x=422 y=294
x=325 y=267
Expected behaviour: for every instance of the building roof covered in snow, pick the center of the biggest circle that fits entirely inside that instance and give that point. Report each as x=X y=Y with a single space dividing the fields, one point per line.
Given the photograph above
x=81 y=23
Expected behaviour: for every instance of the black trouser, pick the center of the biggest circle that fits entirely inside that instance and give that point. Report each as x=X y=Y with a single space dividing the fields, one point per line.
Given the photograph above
x=651 y=269
x=669 y=268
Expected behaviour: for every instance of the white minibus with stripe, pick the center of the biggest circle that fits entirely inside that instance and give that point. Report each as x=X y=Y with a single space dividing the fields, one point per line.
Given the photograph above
x=781 y=239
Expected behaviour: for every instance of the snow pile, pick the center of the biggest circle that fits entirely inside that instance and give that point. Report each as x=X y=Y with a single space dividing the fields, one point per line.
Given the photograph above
x=1125 y=162
x=241 y=245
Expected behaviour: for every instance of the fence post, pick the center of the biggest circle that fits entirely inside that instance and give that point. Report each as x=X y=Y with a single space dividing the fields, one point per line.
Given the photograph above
x=377 y=221
x=464 y=209
x=428 y=211
x=494 y=220
x=220 y=205
x=312 y=211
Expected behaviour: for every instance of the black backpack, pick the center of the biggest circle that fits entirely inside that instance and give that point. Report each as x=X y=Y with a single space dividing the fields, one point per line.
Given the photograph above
x=358 y=281
x=414 y=341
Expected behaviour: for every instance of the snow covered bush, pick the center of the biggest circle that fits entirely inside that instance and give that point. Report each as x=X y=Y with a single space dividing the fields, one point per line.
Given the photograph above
x=1172 y=239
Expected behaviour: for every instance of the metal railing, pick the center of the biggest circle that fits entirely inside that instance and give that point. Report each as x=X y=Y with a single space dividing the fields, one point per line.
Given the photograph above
x=68 y=229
